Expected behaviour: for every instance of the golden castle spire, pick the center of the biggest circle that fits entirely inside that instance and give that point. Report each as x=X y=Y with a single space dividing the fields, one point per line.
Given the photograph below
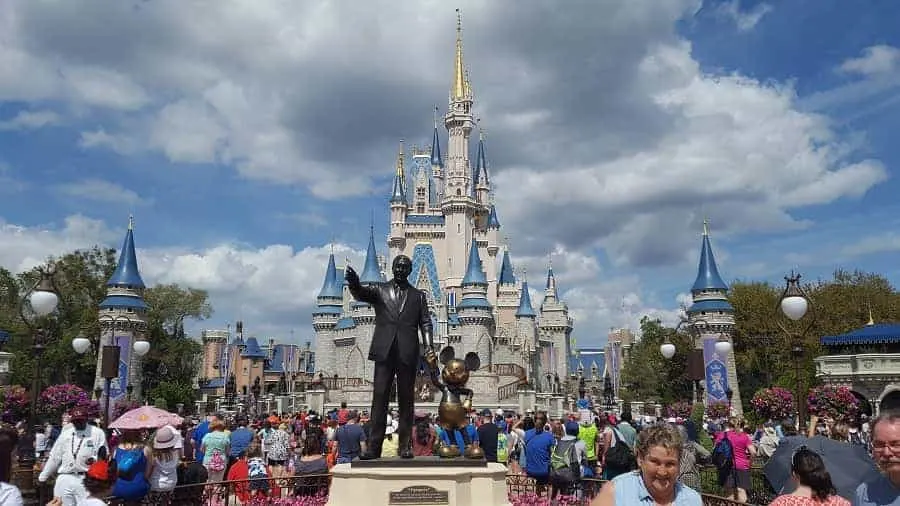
x=401 y=173
x=460 y=89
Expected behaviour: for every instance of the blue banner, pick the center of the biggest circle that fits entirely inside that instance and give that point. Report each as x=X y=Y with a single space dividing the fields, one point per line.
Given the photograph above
x=716 y=372
x=118 y=386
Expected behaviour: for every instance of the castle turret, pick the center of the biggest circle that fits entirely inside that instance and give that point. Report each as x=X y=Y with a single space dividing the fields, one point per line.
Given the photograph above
x=123 y=322
x=482 y=185
x=713 y=316
x=371 y=271
x=555 y=327
x=399 y=204
x=437 y=162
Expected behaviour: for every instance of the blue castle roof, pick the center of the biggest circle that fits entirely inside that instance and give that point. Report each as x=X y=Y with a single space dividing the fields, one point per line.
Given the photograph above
x=332 y=287
x=474 y=272
x=876 y=333
x=480 y=164
x=436 y=149
x=708 y=277
x=710 y=305
x=127 y=273
x=371 y=273
x=123 y=302
x=525 y=307
x=474 y=303
x=507 y=275
x=252 y=349
x=493 y=220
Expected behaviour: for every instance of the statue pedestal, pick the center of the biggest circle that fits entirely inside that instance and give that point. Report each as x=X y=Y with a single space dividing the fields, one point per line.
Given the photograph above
x=422 y=481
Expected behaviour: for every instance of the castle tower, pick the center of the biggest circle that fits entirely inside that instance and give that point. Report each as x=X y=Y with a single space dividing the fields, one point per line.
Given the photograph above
x=371 y=271
x=555 y=329
x=437 y=163
x=713 y=316
x=482 y=185
x=458 y=205
x=123 y=322
x=328 y=310
x=475 y=311
x=399 y=206
x=526 y=333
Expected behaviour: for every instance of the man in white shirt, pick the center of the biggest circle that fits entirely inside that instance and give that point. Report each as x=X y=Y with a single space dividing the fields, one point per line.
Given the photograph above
x=10 y=495
x=76 y=448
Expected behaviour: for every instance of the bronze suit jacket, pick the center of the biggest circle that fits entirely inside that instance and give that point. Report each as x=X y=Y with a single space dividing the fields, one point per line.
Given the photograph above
x=396 y=320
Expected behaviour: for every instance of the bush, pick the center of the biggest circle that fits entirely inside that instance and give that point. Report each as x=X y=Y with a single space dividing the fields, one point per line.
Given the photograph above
x=774 y=403
x=14 y=402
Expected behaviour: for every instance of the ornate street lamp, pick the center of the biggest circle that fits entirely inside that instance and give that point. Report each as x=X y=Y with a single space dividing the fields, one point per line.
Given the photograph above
x=38 y=302
x=795 y=304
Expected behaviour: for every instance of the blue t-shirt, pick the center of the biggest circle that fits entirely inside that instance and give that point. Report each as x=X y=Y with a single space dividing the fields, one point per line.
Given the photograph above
x=460 y=442
x=537 y=452
x=240 y=441
x=878 y=493
x=348 y=438
x=201 y=430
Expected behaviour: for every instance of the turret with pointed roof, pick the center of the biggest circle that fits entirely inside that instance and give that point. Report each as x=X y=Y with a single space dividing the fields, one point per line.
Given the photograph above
x=713 y=317
x=371 y=271
x=123 y=318
x=525 y=310
x=507 y=274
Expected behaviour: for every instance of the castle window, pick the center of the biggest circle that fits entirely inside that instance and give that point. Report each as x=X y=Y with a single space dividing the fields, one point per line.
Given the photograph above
x=458 y=192
x=420 y=193
x=420 y=208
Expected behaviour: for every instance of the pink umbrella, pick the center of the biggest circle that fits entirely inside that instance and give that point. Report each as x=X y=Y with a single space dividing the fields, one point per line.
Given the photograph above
x=146 y=417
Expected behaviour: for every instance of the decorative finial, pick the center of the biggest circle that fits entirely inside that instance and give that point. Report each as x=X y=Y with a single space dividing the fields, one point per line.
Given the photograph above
x=550 y=260
x=460 y=82
x=706 y=226
x=871 y=320
x=458 y=23
x=399 y=163
x=436 y=114
x=506 y=242
x=332 y=245
x=480 y=130
x=525 y=274
x=372 y=221
x=130 y=222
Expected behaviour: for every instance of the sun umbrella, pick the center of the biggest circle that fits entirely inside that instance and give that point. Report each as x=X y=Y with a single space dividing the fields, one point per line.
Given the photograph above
x=848 y=464
x=146 y=417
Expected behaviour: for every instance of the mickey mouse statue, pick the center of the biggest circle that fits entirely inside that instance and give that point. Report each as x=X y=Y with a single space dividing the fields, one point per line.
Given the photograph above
x=456 y=400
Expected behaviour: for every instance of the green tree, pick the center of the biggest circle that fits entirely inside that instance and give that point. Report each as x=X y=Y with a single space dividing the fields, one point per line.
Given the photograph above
x=648 y=376
x=764 y=351
x=173 y=359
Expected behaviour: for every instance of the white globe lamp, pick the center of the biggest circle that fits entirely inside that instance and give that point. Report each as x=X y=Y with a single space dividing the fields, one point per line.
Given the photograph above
x=794 y=306
x=667 y=350
x=81 y=345
x=141 y=347
x=43 y=302
x=723 y=346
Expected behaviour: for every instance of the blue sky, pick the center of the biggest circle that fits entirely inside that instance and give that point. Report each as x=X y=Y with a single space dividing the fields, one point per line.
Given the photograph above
x=247 y=140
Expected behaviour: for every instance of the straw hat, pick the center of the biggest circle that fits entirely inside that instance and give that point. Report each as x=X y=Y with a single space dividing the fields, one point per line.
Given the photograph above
x=165 y=439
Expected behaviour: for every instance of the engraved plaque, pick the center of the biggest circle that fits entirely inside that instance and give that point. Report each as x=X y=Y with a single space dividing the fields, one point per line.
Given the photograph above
x=420 y=495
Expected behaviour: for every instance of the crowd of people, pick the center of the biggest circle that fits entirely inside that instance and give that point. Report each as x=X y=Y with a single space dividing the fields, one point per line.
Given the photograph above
x=635 y=461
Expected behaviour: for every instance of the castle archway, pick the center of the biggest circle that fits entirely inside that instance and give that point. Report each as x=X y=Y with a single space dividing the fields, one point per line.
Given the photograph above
x=890 y=401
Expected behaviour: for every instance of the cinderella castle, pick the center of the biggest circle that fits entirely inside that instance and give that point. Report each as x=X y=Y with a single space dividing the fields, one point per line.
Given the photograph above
x=442 y=216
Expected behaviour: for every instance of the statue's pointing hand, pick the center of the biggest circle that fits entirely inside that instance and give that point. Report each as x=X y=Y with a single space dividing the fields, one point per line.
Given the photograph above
x=351 y=276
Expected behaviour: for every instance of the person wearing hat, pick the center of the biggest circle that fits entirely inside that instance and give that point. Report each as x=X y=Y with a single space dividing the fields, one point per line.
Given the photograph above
x=98 y=481
x=163 y=468
x=77 y=447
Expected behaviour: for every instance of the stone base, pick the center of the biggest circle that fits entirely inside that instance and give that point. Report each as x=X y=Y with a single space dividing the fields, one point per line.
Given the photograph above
x=434 y=484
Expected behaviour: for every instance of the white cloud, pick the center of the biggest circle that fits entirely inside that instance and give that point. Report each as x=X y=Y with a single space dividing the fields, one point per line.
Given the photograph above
x=875 y=60
x=744 y=20
x=30 y=120
x=22 y=248
x=99 y=190
x=739 y=149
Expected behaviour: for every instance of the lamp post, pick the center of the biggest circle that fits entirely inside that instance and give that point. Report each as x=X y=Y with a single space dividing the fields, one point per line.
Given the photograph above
x=38 y=302
x=111 y=354
x=696 y=370
x=794 y=304
x=609 y=400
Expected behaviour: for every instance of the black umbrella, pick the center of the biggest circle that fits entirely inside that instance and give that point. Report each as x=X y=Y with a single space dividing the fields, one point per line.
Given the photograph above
x=848 y=464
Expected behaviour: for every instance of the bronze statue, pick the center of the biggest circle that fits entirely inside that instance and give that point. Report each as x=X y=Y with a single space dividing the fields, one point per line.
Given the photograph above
x=456 y=400
x=401 y=311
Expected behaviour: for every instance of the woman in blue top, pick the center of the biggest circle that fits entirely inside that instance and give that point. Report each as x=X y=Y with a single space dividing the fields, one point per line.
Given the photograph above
x=658 y=452
x=131 y=461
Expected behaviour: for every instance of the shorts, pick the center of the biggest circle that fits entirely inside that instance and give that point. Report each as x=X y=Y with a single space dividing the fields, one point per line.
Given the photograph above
x=276 y=462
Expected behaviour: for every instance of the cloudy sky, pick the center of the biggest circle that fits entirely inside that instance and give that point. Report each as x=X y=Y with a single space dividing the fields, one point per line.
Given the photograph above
x=247 y=135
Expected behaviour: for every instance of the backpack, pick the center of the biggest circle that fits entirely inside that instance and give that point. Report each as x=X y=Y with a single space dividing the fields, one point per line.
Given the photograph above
x=258 y=474
x=502 y=448
x=723 y=454
x=216 y=462
x=620 y=457
x=564 y=467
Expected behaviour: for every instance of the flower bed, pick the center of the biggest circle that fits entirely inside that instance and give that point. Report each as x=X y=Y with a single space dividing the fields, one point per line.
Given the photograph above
x=59 y=399
x=718 y=410
x=680 y=409
x=837 y=403
x=774 y=403
x=14 y=402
